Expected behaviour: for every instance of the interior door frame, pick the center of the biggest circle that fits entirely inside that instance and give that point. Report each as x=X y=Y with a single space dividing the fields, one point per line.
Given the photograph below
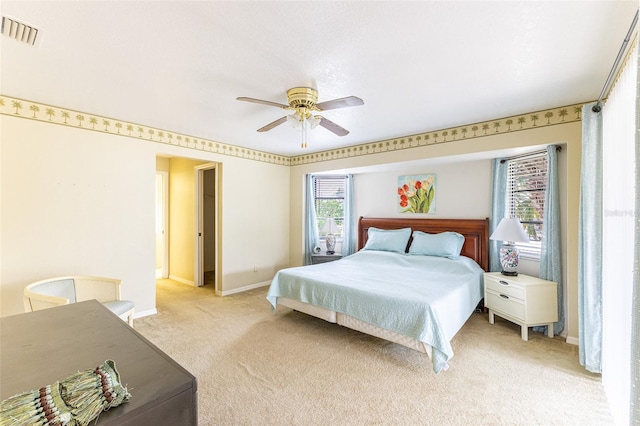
x=165 y=222
x=199 y=211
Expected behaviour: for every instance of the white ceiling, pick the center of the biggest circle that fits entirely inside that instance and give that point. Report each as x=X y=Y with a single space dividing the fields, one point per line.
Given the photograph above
x=418 y=66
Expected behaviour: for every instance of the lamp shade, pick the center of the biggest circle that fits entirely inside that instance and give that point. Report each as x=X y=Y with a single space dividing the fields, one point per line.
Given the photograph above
x=330 y=226
x=510 y=229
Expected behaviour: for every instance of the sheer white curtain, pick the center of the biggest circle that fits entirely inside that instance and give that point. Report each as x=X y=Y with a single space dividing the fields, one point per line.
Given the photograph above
x=619 y=243
x=635 y=307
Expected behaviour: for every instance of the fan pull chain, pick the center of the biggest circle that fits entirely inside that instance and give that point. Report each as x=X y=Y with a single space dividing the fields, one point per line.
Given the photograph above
x=304 y=132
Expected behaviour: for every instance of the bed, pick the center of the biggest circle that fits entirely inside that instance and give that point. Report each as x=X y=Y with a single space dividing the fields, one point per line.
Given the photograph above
x=416 y=292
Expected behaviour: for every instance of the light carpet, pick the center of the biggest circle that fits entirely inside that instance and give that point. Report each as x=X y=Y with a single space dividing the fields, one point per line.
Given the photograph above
x=257 y=367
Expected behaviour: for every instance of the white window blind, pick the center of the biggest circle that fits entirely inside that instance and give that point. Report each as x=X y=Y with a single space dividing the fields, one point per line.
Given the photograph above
x=329 y=192
x=329 y=188
x=526 y=190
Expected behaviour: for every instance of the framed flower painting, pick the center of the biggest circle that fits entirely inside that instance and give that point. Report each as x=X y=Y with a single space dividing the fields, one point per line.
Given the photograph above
x=417 y=193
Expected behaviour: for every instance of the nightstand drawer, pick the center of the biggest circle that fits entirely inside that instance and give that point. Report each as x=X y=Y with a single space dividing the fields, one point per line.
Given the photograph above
x=505 y=287
x=324 y=258
x=502 y=302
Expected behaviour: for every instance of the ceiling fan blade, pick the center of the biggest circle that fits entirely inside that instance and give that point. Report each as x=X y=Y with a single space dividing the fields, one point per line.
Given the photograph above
x=333 y=127
x=349 y=101
x=260 y=101
x=270 y=126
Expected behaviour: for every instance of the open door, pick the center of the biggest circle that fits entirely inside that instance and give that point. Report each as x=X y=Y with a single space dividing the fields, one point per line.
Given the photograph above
x=162 y=223
x=207 y=258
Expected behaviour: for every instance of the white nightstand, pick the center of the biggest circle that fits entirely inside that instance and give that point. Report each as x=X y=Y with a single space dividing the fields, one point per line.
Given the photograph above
x=524 y=300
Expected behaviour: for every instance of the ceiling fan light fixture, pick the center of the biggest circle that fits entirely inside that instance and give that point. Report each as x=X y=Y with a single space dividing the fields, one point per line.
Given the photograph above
x=294 y=120
x=303 y=120
x=313 y=121
x=303 y=101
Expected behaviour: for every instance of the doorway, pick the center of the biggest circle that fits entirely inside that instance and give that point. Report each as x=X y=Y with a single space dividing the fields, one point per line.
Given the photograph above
x=207 y=258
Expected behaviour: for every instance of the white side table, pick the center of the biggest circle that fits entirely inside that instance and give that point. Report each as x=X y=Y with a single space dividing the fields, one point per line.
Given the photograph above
x=524 y=300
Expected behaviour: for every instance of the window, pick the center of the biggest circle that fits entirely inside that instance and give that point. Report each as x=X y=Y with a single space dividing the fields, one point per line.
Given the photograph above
x=526 y=190
x=328 y=192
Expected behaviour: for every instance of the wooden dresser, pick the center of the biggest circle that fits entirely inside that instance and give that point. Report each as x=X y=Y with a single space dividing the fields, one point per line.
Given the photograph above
x=39 y=348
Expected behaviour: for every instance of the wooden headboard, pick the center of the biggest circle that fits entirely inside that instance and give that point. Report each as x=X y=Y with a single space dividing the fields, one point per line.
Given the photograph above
x=475 y=232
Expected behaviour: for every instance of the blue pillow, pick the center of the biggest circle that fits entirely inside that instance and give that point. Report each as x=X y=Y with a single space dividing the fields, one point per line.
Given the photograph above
x=444 y=244
x=394 y=240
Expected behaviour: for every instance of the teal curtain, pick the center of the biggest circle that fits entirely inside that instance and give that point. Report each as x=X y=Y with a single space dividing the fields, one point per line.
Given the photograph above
x=551 y=253
x=498 y=209
x=634 y=417
x=590 y=242
x=311 y=230
x=349 y=227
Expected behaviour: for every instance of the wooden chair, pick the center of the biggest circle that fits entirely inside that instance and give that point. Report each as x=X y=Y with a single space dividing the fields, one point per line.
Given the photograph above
x=64 y=290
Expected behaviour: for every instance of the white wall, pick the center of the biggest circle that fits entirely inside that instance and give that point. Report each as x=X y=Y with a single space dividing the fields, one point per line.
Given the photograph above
x=74 y=204
x=256 y=223
x=463 y=190
x=76 y=201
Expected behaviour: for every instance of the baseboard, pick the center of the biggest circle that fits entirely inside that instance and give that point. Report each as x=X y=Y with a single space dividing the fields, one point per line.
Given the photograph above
x=181 y=280
x=245 y=288
x=573 y=340
x=146 y=313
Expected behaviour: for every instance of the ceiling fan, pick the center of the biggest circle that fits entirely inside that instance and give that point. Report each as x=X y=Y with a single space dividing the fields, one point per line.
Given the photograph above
x=303 y=101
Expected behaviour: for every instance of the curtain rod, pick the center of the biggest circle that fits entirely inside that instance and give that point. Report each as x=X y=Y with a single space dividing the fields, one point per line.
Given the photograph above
x=598 y=106
x=503 y=160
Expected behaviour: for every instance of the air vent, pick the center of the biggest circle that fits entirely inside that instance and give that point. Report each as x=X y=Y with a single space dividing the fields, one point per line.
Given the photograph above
x=19 y=31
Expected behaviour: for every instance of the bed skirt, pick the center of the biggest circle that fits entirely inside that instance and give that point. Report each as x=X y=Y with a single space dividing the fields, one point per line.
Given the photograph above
x=356 y=324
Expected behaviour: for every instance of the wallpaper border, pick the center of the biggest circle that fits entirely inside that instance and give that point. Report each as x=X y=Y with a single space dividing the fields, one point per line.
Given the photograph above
x=31 y=110
x=37 y=111
x=516 y=123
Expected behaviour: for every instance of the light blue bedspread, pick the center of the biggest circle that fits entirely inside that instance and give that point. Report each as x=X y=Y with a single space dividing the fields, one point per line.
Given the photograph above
x=425 y=297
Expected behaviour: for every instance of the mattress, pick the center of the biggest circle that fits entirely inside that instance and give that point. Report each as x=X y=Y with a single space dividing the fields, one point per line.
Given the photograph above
x=418 y=301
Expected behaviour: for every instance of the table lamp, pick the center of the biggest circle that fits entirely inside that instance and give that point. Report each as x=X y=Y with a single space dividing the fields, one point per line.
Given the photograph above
x=510 y=231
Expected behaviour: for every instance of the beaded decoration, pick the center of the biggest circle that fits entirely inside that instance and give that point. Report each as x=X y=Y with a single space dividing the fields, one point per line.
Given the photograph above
x=75 y=401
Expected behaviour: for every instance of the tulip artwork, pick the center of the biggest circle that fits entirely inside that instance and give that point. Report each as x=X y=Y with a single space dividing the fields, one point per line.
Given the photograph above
x=417 y=193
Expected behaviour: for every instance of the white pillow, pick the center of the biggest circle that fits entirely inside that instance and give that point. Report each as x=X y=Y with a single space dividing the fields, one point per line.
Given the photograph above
x=394 y=240
x=444 y=244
